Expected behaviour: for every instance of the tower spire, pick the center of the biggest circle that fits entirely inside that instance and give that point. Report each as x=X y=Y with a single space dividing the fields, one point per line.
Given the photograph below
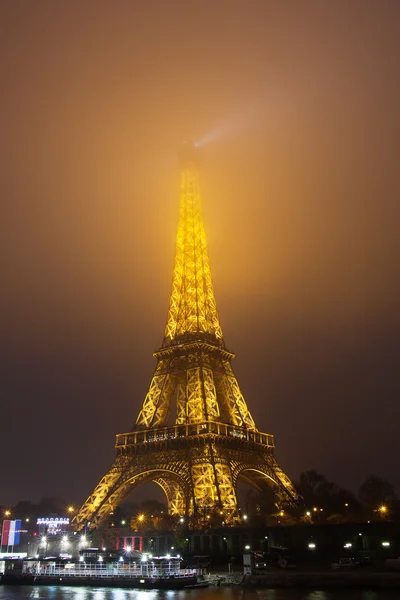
x=193 y=309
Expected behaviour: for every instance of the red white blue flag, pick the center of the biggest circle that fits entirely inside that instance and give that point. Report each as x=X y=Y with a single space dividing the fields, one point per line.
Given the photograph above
x=10 y=535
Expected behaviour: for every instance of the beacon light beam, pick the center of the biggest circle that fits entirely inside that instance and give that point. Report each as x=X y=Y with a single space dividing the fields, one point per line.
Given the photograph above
x=225 y=128
x=237 y=122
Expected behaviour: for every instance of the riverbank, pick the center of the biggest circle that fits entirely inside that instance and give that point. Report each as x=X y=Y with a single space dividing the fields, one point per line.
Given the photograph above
x=324 y=580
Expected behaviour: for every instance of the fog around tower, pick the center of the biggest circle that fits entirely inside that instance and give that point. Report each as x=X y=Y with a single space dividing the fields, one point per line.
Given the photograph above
x=295 y=110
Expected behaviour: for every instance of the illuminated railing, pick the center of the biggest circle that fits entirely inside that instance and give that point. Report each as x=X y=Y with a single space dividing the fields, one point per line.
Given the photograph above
x=194 y=429
x=144 y=569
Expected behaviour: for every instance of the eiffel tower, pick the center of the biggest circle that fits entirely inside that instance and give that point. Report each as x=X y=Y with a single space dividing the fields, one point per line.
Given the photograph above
x=194 y=435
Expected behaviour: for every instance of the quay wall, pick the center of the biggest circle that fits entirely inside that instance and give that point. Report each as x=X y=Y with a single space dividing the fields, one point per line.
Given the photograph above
x=324 y=580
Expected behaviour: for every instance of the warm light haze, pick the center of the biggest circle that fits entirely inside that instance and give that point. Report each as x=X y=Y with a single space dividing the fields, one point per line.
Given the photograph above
x=294 y=107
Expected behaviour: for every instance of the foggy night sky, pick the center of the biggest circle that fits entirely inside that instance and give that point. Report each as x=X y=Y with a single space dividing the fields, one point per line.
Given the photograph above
x=300 y=190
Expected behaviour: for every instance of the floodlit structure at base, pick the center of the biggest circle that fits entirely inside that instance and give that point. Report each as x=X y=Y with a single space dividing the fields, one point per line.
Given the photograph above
x=194 y=435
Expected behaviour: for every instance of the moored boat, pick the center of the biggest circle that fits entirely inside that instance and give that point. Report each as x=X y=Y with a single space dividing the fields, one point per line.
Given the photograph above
x=149 y=573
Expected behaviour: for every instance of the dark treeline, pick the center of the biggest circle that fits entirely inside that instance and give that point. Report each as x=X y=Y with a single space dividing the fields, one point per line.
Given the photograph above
x=322 y=501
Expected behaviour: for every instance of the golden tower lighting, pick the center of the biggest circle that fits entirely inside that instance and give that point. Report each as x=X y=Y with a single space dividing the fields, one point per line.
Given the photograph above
x=194 y=435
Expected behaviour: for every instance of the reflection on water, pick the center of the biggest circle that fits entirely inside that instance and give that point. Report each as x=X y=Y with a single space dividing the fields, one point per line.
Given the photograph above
x=81 y=593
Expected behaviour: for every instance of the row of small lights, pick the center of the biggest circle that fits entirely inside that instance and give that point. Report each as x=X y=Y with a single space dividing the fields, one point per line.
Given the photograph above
x=145 y=558
x=348 y=545
x=382 y=509
x=312 y=545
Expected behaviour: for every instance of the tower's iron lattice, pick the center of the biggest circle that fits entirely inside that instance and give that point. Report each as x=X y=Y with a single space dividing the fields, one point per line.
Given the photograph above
x=194 y=435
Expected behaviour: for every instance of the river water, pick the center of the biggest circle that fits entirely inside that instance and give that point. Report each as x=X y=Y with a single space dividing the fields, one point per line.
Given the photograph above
x=83 y=593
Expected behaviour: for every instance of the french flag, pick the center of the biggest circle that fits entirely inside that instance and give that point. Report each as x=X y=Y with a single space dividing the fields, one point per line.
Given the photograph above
x=11 y=532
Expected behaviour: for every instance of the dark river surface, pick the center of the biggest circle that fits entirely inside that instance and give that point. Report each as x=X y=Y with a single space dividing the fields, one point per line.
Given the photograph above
x=83 y=593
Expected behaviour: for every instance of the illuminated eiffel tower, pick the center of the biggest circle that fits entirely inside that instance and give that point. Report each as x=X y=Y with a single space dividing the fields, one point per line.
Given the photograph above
x=194 y=435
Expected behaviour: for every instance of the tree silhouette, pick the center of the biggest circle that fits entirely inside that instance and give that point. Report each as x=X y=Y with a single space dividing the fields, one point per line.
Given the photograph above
x=337 y=504
x=376 y=492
